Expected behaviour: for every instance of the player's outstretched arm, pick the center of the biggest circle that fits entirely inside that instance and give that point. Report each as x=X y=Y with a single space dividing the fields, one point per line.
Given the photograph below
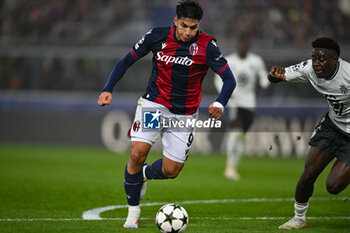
x=105 y=98
x=276 y=74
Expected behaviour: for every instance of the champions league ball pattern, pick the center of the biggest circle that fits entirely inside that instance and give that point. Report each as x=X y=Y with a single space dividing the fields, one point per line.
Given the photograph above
x=172 y=218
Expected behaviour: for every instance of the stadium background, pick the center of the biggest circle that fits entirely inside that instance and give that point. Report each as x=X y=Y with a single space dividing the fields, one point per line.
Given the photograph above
x=55 y=57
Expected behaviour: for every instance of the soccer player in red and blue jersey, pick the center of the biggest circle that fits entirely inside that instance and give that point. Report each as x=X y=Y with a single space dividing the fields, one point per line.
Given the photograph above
x=182 y=55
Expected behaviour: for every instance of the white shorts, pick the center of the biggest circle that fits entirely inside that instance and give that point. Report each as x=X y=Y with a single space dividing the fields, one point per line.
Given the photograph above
x=153 y=119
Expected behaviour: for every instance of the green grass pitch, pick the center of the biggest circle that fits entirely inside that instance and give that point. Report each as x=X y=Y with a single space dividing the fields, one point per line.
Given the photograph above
x=47 y=189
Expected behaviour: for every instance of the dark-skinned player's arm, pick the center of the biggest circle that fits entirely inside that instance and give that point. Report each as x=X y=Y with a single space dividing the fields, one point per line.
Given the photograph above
x=277 y=74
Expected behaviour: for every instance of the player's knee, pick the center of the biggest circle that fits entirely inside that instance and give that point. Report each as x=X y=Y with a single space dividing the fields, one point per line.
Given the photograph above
x=334 y=187
x=171 y=173
x=137 y=157
x=309 y=175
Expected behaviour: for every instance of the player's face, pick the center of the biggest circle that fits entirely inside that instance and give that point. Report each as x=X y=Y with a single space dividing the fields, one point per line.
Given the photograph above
x=242 y=47
x=324 y=62
x=186 y=28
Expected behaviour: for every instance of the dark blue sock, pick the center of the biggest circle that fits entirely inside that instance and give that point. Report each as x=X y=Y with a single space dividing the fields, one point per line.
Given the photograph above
x=132 y=186
x=154 y=171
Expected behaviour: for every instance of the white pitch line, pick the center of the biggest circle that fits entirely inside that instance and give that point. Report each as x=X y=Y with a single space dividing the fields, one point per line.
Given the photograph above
x=192 y=218
x=94 y=214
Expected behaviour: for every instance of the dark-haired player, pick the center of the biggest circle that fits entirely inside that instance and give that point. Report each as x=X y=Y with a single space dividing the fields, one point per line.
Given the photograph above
x=181 y=57
x=330 y=76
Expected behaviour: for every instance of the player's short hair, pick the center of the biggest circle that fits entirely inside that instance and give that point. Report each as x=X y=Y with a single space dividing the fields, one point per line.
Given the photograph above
x=326 y=43
x=189 y=9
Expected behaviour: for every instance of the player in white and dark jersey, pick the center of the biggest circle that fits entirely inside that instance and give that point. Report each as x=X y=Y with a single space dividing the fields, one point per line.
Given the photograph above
x=330 y=76
x=250 y=73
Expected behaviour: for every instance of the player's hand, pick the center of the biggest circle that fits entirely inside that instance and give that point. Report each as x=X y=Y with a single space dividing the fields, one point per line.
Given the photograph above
x=278 y=72
x=215 y=112
x=105 y=98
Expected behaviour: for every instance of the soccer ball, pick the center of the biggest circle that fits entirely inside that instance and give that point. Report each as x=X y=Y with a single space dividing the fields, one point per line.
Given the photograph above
x=172 y=218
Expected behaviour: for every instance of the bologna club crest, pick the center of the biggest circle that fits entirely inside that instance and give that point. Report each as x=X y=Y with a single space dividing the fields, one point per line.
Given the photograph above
x=136 y=126
x=193 y=49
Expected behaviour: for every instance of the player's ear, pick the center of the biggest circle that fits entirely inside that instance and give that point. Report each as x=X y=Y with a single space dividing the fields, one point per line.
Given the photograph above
x=175 y=21
x=334 y=59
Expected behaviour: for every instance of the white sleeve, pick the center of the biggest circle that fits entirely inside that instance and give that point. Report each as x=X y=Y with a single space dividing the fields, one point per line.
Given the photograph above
x=262 y=73
x=297 y=73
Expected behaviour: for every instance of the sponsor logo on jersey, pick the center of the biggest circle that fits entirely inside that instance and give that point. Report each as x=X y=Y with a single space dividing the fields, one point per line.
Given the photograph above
x=193 y=49
x=176 y=60
x=163 y=45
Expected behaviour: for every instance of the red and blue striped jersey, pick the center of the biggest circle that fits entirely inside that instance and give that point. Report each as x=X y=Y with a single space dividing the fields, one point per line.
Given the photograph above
x=178 y=67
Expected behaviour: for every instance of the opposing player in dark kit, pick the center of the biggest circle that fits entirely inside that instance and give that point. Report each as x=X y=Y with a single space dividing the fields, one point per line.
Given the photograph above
x=330 y=76
x=181 y=57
